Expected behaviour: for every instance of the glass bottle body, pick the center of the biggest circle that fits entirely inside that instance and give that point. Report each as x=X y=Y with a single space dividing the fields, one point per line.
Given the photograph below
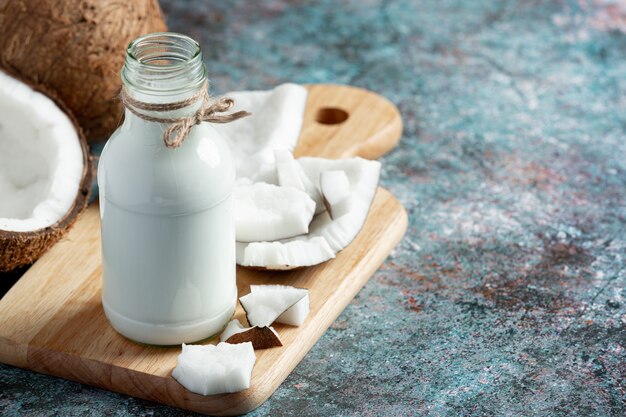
x=167 y=222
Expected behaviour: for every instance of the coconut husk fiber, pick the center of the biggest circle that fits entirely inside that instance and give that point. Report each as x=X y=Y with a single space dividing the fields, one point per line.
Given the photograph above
x=77 y=48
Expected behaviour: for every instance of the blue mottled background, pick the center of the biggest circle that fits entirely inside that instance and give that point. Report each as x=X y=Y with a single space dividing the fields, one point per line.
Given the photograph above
x=507 y=296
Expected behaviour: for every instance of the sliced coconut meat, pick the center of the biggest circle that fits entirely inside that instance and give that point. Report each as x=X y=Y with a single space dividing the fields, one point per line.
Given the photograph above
x=264 y=307
x=265 y=212
x=266 y=173
x=294 y=315
x=287 y=170
x=215 y=369
x=275 y=123
x=284 y=255
x=41 y=159
x=336 y=191
x=336 y=233
x=260 y=337
x=290 y=174
x=363 y=176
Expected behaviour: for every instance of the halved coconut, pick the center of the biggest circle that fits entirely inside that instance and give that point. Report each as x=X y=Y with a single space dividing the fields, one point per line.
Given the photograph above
x=267 y=212
x=324 y=232
x=76 y=47
x=215 y=369
x=336 y=191
x=294 y=315
x=45 y=171
x=265 y=306
x=260 y=337
x=291 y=174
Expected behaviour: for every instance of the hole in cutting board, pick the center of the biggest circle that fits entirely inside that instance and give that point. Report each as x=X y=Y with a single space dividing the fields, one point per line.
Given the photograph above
x=331 y=116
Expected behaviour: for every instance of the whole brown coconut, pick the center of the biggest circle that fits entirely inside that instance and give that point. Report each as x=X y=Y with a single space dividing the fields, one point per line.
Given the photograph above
x=77 y=48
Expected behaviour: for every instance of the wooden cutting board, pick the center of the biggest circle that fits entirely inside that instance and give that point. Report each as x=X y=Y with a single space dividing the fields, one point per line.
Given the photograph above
x=52 y=320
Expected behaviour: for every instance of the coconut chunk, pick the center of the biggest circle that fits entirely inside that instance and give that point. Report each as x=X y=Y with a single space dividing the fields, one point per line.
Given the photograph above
x=336 y=233
x=336 y=192
x=287 y=170
x=275 y=123
x=266 y=173
x=294 y=315
x=264 y=307
x=290 y=174
x=260 y=337
x=215 y=369
x=233 y=327
x=265 y=212
x=284 y=255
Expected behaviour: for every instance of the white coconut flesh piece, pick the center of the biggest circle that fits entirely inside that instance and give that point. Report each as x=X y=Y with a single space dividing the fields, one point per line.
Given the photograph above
x=290 y=174
x=215 y=369
x=265 y=212
x=336 y=191
x=260 y=337
x=41 y=159
x=264 y=307
x=266 y=173
x=335 y=234
x=285 y=254
x=275 y=123
x=294 y=315
x=363 y=177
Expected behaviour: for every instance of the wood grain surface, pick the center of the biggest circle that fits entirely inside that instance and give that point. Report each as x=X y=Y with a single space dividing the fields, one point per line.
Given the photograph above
x=52 y=318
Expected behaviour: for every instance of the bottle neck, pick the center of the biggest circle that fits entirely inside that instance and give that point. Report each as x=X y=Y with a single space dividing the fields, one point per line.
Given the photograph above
x=163 y=68
x=171 y=98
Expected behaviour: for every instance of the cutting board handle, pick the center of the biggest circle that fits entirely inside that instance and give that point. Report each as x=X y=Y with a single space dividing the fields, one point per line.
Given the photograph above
x=335 y=112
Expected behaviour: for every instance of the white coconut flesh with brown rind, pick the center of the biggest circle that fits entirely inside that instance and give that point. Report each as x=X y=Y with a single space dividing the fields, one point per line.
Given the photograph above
x=260 y=337
x=324 y=232
x=290 y=174
x=265 y=212
x=215 y=369
x=233 y=327
x=264 y=307
x=41 y=159
x=363 y=176
x=294 y=315
x=335 y=188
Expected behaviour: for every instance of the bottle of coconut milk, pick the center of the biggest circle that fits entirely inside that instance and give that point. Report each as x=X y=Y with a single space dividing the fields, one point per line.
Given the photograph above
x=168 y=241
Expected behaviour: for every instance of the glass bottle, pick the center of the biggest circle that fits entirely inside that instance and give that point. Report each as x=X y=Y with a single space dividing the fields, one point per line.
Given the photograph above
x=168 y=236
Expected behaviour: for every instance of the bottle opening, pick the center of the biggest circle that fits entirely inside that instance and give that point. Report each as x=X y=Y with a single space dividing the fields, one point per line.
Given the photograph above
x=164 y=63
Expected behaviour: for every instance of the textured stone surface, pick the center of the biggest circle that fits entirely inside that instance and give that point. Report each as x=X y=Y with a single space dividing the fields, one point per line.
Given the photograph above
x=507 y=296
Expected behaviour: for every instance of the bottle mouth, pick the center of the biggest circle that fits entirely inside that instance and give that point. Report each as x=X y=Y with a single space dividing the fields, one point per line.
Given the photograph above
x=163 y=63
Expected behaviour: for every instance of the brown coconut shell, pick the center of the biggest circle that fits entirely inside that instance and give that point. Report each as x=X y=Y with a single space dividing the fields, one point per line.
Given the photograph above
x=23 y=248
x=77 y=48
x=260 y=337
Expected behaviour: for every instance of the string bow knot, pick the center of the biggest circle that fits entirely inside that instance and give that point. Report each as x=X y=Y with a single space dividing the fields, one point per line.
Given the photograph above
x=180 y=127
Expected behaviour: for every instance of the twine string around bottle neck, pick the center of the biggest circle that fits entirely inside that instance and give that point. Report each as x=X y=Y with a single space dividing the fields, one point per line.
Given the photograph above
x=180 y=127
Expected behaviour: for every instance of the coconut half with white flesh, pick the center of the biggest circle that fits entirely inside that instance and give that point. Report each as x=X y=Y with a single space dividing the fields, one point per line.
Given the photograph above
x=326 y=236
x=215 y=369
x=45 y=171
x=260 y=337
x=264 y=306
